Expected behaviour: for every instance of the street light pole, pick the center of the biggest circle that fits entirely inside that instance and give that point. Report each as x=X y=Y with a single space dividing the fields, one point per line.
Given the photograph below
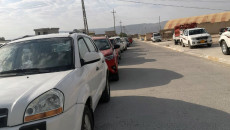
x=84 y=17
x=114 y=20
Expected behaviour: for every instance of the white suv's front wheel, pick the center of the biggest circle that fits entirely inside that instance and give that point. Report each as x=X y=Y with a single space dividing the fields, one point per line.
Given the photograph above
x=225 y=48
x=87 y=119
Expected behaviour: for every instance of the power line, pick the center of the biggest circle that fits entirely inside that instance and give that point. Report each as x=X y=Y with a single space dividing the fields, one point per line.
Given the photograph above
x=180 y=6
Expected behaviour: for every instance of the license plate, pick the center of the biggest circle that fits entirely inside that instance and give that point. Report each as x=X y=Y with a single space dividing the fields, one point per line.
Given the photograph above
x=202 y=41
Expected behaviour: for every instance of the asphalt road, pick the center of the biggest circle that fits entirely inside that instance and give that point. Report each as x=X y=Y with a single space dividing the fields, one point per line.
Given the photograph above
x=160 y=89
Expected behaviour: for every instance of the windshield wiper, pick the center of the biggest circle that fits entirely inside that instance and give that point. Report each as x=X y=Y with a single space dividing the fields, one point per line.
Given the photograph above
x=25 y=71
x=36 y=70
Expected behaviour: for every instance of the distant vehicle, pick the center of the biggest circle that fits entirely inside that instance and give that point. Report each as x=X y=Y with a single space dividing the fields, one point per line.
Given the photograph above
x=1 y=44
x=111 y=56
x=130 y=40
x=225 y=43
x=178 y=32
x=222 y=30
x=156 y=37
x=51 y=82
x=125 y=41
x=196 y=36
x=117 y=41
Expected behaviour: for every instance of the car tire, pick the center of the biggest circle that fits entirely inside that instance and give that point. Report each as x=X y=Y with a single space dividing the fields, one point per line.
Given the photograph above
x=209 y=45
x=190 y=46
x=87 y=119
x=116 y=77
x=182 y=44
x=225 y=48
x=106 y=93
x=175 y=42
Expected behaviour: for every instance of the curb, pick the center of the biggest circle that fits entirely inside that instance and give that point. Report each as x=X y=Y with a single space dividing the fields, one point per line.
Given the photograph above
x=208 y=57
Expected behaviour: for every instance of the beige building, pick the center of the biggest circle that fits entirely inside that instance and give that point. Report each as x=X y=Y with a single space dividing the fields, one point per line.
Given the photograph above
x=44 y=31
x=212 y=23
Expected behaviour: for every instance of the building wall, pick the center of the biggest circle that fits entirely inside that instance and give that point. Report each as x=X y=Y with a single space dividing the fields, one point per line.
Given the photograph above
x=148 y=36
x=212 y=18
x=214 y=28
x=44 y=31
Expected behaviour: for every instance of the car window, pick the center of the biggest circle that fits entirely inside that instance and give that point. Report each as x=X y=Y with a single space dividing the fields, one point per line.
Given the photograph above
x=118 y=40
x=83 y=49
x=90 y=44
x=102 y=44
x=37 y=54
x=198 y=31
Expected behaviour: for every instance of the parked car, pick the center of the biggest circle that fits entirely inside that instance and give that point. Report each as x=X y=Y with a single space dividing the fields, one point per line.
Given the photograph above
x=117 y=41
x=130 y=40
x=126 y=42
x=222 y=30
x=51 y=82
x=156 y=37
x=110 y=54
x=196 y=36
x=225 y=43
x=1 y=44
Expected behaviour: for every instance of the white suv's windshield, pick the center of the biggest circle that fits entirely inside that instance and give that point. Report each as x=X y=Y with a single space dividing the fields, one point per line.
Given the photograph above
x=34 y=56
x=197 y=31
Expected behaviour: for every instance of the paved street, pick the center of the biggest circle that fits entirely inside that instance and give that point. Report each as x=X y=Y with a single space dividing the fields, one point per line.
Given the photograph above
x=161 y=89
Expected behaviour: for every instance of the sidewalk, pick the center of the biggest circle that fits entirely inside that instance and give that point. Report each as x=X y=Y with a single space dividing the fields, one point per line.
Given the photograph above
x=213 y=53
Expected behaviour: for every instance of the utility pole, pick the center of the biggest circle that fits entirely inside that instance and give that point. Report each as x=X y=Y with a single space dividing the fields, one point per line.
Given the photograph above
x=121 y=27
x=160 y=23
x=84 y=17
x=114 y=20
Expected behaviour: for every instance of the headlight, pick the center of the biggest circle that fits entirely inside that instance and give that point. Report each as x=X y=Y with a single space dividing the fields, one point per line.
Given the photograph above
x=47 y=105
x=110 y=57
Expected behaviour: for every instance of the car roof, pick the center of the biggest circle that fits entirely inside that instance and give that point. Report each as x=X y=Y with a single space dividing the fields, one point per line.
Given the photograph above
x=114 y=37
x=97 y=38
x=48 y=36
x=194 y=29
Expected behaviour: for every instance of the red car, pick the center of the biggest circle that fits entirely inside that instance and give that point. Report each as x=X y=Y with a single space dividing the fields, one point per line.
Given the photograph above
x=130 y=40
x=111 y=57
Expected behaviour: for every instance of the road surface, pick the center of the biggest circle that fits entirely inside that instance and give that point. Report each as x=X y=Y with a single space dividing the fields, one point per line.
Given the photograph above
x=161 y=89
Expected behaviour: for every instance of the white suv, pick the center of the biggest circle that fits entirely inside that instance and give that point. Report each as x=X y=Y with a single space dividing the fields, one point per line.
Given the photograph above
x=51 y=82
x=196 y=36
x=225 y=42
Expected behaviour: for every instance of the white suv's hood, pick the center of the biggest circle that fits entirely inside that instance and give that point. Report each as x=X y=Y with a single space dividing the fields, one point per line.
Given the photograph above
x=200 y=35
x=17 y=92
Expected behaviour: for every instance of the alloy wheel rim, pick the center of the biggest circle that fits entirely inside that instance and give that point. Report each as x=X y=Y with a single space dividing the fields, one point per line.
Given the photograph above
x=224 y=48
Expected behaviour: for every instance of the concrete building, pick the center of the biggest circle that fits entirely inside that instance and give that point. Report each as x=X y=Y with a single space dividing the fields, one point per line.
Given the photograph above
x=44 y=31
x=212 y=23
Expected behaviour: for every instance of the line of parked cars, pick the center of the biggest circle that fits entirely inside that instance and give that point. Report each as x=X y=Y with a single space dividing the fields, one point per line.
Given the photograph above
x=55 y=81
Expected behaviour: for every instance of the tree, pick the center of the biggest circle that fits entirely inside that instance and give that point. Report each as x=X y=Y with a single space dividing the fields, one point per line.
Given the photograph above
x=123 y=35
x=2 y=39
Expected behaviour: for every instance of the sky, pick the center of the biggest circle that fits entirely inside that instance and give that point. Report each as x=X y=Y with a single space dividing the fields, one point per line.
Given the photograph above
x=21 y=17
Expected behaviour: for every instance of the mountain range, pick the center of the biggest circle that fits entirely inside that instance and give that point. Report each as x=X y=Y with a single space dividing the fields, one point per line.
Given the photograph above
x=133 y=29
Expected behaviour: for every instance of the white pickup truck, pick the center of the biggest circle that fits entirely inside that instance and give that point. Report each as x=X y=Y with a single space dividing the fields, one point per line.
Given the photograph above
x=225 y=42
x=196 y=37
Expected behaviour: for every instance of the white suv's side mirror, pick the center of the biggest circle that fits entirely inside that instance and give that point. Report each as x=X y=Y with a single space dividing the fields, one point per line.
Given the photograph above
x=91 y=57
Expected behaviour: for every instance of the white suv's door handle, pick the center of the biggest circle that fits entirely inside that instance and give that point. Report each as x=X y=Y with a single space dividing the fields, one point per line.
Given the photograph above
x=97 y=68
x=103 y=61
